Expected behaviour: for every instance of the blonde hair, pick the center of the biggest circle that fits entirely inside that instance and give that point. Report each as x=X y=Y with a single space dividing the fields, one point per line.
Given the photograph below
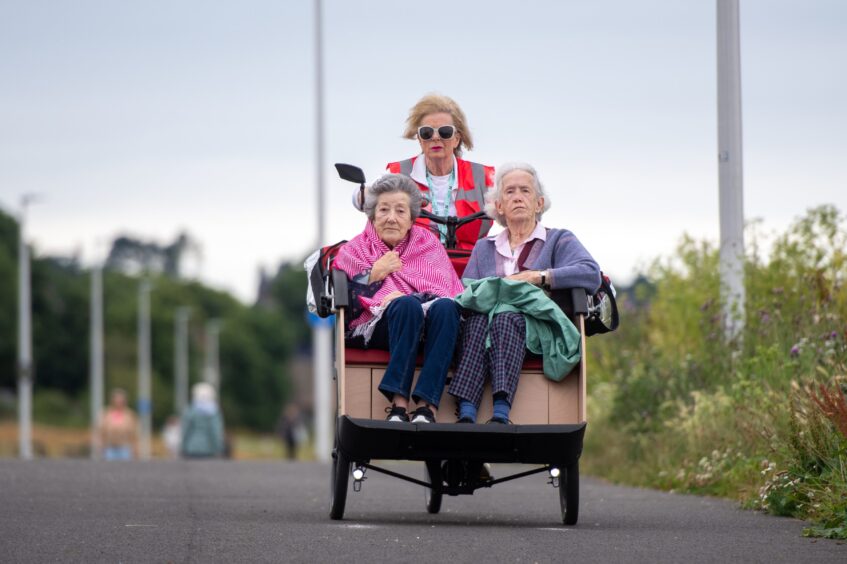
x=438 y=103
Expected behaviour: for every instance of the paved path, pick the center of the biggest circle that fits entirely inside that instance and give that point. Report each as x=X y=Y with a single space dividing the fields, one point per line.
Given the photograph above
x=220 y=511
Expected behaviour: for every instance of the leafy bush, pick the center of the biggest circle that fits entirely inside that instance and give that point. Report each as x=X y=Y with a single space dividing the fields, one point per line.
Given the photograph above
x=762 y=418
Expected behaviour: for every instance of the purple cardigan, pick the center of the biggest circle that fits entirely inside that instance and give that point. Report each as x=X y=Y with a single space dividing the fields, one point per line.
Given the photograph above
x=562 y=254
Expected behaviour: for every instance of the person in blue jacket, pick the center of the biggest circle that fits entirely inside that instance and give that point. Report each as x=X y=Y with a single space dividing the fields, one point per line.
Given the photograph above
x=203 y=424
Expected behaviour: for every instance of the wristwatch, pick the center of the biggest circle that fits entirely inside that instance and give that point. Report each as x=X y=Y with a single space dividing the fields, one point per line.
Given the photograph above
x=543 y=278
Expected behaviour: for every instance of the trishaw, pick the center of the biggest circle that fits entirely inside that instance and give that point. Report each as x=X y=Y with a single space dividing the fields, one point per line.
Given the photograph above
x=549 y=417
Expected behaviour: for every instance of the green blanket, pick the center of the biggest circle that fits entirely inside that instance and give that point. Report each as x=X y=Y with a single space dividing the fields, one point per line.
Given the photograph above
x=548 y=331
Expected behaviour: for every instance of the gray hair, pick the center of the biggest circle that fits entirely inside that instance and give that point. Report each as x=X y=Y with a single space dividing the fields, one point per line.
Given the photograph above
x=494 y=194
x=203 y=392
x=389 y=184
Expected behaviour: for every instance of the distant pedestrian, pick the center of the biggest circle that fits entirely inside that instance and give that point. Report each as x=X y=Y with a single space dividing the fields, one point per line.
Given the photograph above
x=203 y=425
x=172 y=436
x=291 y=429
x=118 y=430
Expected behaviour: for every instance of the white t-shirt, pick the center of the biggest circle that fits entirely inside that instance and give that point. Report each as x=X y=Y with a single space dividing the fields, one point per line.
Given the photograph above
x=439 y=186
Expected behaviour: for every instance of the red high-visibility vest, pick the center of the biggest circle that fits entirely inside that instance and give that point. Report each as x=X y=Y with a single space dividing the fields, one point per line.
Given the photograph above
x=473 y=181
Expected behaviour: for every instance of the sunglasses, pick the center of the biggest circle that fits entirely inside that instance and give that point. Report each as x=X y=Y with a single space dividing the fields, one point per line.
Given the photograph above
x=426 y=132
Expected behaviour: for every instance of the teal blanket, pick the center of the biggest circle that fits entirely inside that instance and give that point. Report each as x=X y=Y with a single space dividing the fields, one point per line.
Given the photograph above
x=548 y=331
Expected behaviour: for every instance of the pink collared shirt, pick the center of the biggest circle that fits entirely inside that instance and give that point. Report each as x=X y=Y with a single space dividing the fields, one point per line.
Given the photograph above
x=507 y=260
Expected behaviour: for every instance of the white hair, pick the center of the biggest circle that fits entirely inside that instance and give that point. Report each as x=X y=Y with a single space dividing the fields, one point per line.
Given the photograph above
x=203 y=392
x=494 y=194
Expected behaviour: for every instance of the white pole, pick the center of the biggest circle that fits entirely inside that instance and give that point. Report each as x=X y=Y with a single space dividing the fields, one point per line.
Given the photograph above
x=730 y=166
x=321 y=335
x=96 y=361
x=24 y=339
x=181 y=360
x=322 y=343
x=212 y=367
x=144 y=367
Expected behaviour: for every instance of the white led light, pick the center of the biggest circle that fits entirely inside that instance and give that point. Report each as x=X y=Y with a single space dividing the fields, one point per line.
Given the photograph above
x=554 y=472
x=358 y=474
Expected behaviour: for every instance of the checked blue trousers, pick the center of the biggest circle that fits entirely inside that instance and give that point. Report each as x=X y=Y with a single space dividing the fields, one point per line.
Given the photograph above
x=501 y=362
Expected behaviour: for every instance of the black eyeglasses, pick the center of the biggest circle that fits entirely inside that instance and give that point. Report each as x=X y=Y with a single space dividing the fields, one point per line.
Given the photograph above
x=426 y=132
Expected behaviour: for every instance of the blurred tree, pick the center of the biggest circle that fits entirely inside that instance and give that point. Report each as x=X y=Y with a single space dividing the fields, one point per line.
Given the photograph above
x=8 y=300
x=255 y=342
x=286 y=293
x=133 y=256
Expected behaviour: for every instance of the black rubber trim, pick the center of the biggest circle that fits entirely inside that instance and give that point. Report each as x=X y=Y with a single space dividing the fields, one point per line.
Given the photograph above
x=367 y=439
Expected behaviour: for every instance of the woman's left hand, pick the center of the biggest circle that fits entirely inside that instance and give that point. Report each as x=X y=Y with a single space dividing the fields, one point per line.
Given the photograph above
x=391 y=297
x=531 y=276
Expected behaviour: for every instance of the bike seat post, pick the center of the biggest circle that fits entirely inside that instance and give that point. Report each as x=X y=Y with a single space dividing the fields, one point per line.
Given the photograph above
x=452 y=225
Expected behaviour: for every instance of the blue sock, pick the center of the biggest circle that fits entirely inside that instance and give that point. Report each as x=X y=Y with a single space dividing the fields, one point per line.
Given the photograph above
x=467 y=410
x=501 y=408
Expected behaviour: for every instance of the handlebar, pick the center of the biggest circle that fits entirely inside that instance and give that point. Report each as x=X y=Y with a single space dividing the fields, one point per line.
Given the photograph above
x=452 y=223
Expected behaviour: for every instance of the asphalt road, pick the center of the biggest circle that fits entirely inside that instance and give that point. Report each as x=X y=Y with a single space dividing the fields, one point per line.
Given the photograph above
x=221 y=511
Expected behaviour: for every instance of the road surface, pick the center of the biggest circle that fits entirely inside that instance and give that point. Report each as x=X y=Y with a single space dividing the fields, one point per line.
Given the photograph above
x=223 y=511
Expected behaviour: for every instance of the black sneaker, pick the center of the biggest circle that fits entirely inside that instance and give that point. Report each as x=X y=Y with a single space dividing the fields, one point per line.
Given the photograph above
x=423 y=415
x=465 y=419
x=397 y=414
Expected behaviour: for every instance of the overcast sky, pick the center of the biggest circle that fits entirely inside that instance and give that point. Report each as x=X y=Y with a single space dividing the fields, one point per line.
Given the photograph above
x=153 y=117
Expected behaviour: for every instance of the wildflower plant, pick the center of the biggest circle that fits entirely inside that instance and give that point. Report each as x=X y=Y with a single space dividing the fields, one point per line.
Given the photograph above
x=762 y=419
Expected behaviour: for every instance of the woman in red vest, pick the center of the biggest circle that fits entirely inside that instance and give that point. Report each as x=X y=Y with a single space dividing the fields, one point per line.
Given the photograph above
x=451 y=185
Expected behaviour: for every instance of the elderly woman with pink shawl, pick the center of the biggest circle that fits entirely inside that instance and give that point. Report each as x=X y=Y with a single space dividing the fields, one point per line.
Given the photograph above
x=402 y=284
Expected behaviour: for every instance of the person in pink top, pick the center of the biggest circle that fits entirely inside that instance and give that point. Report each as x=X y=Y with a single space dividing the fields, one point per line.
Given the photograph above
x=118 y=429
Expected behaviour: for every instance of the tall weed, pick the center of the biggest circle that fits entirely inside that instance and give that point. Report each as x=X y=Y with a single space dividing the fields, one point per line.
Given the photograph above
x=761 y=419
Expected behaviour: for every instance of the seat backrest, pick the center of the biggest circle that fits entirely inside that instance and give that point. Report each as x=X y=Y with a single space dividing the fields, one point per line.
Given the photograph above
x=459 y=259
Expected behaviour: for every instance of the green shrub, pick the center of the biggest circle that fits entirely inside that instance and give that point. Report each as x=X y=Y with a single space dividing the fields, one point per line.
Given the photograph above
x=675 y=405
x=54 y=407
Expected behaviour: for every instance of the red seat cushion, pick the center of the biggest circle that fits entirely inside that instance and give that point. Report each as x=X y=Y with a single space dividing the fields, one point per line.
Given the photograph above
x=459 y=260
x=371 y=356
x=377 y=356
x=532 y=362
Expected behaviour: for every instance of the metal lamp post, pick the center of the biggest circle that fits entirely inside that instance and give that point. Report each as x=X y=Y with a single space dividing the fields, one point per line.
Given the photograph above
x=145 y=415
x=24 y=337
x=181 y=359
x=96 y=361
x=212 y=365
x=730 y=177
x=321 y=333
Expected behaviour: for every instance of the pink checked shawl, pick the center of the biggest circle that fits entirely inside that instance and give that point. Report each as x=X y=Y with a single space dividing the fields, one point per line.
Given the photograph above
x=426 y=266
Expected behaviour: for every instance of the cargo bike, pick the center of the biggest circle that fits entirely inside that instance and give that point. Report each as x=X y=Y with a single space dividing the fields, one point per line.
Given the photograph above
x=549 y=418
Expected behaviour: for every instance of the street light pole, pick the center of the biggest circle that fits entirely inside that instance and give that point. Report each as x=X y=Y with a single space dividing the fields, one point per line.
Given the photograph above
x=730 y=177
x=24 y=338
x=181 y=359
x=321 y=334
x=96 y=362
x=212 y=366
x=145 y=415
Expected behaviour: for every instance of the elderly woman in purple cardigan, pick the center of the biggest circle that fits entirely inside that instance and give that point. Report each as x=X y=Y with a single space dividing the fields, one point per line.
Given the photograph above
x=525 y=250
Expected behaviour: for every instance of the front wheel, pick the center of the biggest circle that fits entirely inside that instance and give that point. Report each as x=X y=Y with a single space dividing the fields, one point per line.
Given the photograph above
x=569 y=493
x=339 y=478
x=433 y=495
